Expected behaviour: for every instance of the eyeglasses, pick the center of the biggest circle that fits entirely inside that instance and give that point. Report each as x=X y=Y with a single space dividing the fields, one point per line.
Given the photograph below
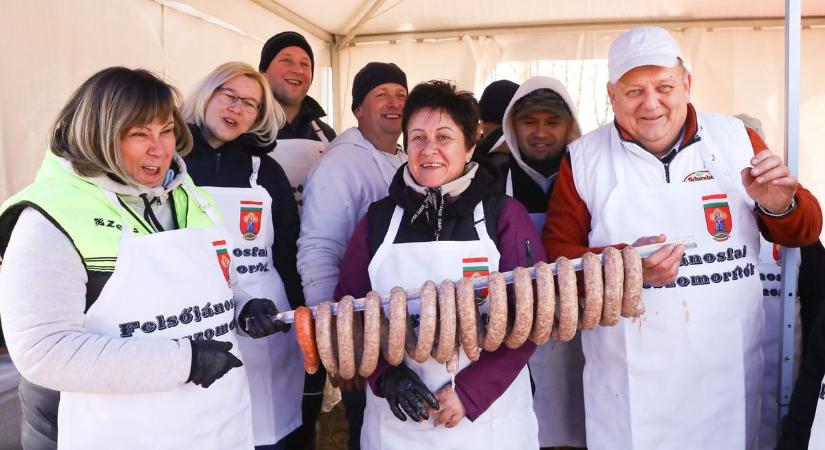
x=228 y=98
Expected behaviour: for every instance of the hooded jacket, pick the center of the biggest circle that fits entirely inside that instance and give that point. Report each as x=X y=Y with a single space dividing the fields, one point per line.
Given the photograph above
x=338 y=190
x=529 y=186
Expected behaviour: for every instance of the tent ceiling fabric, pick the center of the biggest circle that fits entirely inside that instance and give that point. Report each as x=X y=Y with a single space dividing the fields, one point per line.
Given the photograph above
x=442 y=15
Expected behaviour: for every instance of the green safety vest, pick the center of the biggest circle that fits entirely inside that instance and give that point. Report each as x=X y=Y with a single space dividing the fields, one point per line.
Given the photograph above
x=81 y=210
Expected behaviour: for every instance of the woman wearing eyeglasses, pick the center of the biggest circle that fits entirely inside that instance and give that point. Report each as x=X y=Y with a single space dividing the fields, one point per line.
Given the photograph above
x=234 y=119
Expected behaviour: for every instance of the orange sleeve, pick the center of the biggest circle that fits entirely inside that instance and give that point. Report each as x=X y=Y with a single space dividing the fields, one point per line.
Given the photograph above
x=799 y=228
x=567 y=224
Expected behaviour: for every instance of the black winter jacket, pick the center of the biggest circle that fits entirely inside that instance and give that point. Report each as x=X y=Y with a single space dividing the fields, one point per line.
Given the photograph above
x=301 y=127
x=230 y=166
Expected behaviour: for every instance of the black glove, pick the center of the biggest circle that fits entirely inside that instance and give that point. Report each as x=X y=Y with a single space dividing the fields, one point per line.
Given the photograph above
x=405 y=391
x=210 y=361
x=257 y=318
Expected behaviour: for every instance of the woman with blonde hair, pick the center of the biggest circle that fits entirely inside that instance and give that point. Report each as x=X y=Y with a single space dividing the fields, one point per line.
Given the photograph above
x=115 y=289
x=234 y=119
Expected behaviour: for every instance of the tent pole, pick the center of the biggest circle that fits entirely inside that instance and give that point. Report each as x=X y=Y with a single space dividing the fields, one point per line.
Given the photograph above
x=337 y=98
x=296 y=19
x=360 y=23
x=790 y=270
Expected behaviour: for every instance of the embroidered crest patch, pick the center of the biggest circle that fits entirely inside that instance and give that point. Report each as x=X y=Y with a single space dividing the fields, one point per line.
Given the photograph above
x=224 y=260
x=250 y=219
x=718 y=216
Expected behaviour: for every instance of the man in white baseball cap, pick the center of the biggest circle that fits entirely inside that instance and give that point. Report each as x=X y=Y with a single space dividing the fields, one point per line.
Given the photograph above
x=687 y=372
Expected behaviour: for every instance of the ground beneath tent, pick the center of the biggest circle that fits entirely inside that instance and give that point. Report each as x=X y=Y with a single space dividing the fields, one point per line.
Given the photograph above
x=333 y=429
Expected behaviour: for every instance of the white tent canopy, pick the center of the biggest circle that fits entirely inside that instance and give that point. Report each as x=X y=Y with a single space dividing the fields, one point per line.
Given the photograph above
x=735 y=50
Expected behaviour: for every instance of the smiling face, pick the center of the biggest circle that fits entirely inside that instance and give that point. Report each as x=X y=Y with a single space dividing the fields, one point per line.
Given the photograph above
x=650 y=103
x=436 y=148
x=146 y=151
x=232 y=110
x=380 y=112
x=289 y=75
x=541 y=135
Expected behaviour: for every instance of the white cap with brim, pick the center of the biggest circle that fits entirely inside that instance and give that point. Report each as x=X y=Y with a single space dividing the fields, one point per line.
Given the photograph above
x=642 y=46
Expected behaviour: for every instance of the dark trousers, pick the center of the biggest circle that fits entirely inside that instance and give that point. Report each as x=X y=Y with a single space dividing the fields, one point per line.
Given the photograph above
x=354 y=403
x=305 y=437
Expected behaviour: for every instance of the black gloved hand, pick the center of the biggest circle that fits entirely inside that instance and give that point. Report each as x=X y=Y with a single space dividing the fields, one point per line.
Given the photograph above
x=405 y=391
x=257 y=318
x=210 y=361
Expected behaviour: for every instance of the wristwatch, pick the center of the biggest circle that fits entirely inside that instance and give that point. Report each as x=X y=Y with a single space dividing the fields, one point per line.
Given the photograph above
x=790 y=209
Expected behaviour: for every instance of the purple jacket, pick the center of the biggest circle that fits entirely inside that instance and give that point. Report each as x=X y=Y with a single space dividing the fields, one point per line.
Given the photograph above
x=482 y=382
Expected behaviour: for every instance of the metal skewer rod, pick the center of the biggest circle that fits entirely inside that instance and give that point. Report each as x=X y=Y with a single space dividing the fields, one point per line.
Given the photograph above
x=482 y=282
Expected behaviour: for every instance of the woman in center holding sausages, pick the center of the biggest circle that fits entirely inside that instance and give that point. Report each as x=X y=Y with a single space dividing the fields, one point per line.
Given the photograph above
x=442 y=213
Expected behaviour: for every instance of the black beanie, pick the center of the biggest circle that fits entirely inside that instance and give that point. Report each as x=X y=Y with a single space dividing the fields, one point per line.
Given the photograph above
x=281 y=41
x=372 y=75
x=494 y=100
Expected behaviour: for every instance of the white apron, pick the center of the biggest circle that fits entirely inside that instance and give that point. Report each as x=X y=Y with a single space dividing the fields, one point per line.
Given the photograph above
x=509 y=423
x=687 y=374
x=274 y=364
x=770 y=273
x=170 y=283
x=298 y=157
x=557 y=368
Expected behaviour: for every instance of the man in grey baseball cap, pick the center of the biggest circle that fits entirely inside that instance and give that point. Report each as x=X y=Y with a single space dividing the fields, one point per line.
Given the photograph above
x=685 y=372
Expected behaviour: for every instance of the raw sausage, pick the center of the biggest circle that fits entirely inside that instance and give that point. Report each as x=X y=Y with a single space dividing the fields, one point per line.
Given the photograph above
x=468 y=318
x=497 y=314
x=372 y=334
x=523 y=288
x=593 y=291
x=545 y=304
x=305 y=334
x=445 y=344
x=568 y=307
x=344 y=322
x=398 y=326
x=420 y=347
x=613 y=286
x=326 y=335
x=632 y=305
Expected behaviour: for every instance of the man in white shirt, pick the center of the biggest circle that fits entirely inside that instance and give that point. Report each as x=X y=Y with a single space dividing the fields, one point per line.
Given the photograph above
x=355 y=171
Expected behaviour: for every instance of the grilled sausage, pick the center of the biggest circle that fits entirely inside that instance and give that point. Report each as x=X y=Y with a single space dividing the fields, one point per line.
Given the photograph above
x=523 y=322
x=497 y=315
x=568 y=307
x=397 y=332
x=305 y=334
x=632 y=305
x=326 y=336
x=545 y=304
x=613 y=286
x=468 y=318
x=372 y=334
x=593 y=291
x=346 y=344
x=445 y=344
x=422 y=344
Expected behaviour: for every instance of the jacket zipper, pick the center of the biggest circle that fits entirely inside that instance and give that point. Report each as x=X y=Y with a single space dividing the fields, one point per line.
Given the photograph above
x=696 y=138
x=217 y=166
